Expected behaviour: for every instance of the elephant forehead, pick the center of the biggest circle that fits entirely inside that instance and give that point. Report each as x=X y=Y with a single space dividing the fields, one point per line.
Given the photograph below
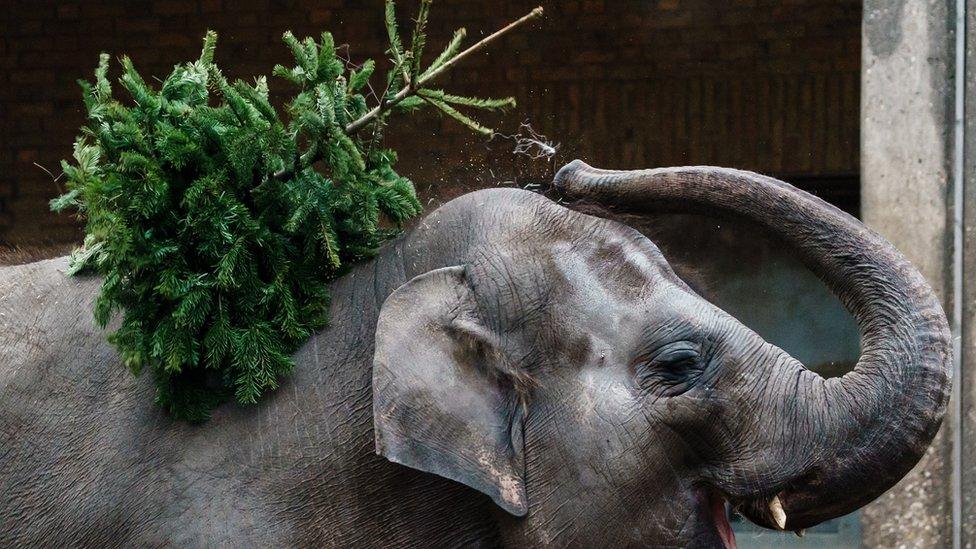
x=564 y=273
x=529 y=257
x=612 y=264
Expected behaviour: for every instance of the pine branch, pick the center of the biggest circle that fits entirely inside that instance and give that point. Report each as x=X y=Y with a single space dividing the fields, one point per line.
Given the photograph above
x=218 y=271
x=442 y=64
x=209 y=46
x=466 y=121
x=396 y=47
x=358 y=79
x=487 y=104
x=419 y=39
x=410 y=90
x=453 y=47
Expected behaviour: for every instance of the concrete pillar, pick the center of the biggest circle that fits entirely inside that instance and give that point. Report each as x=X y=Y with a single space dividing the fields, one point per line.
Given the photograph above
x=968 y=384
x=907 y=108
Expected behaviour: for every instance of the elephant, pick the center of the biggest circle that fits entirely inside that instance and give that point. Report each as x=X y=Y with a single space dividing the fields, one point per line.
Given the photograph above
x=518 y=369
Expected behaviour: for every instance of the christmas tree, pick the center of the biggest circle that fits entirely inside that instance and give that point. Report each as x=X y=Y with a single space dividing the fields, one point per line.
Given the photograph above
x=217 y=222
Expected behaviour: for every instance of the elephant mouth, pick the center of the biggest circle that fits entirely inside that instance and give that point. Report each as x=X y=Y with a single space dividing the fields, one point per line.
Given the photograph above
x=718 y=510
x=762 y=511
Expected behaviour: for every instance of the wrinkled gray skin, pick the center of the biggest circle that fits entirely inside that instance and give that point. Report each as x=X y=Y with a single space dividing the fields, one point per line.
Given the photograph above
x=530 y=376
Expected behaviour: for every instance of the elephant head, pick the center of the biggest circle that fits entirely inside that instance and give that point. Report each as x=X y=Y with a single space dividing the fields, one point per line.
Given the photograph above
x=553 y=361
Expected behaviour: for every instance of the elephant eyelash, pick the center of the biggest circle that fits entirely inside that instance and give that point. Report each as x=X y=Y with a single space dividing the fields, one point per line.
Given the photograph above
x=673 y=356
x=673 y=352
x=670 y=370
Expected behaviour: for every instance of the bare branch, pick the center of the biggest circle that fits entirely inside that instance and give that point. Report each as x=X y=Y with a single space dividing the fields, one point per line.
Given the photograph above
x=412 y=88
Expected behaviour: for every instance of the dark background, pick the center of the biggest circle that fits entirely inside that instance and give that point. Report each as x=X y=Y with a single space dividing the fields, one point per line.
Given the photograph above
x=771 y=86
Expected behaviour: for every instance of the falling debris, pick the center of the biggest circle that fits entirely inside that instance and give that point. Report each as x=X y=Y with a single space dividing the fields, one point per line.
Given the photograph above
x=532 y=144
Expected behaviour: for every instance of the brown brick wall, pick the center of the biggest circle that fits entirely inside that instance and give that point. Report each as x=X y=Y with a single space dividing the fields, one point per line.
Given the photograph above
x=759 y=84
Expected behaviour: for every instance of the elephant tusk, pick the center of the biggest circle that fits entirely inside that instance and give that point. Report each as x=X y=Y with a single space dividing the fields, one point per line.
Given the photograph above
x=779 y=515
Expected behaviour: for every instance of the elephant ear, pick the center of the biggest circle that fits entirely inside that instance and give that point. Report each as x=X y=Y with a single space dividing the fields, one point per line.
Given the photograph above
x=442 y=402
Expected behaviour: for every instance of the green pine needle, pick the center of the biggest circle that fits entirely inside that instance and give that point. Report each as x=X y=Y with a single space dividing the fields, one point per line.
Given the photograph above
x=467 y=121
x=473 y=102
x=452 y=49
x=208 y=217
x=209 y=46
x=358 y=79
x=419 y=39
x=396 y=47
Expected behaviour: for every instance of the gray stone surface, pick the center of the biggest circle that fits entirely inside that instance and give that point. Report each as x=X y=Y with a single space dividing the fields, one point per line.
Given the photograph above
x=968 y=390
x=906 y=152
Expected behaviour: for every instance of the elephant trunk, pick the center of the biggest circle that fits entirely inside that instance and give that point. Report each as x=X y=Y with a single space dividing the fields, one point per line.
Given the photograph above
x=878 y=419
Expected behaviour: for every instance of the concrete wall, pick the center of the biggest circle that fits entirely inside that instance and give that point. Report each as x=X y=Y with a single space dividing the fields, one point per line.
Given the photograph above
x=967 y=405
x=907 y=108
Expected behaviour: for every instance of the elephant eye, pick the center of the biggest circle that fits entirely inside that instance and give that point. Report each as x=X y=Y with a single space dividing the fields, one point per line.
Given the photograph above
x=671 y=369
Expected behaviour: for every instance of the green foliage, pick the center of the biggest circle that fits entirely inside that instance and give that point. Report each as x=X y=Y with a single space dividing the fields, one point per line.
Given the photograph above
x=217 y=222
